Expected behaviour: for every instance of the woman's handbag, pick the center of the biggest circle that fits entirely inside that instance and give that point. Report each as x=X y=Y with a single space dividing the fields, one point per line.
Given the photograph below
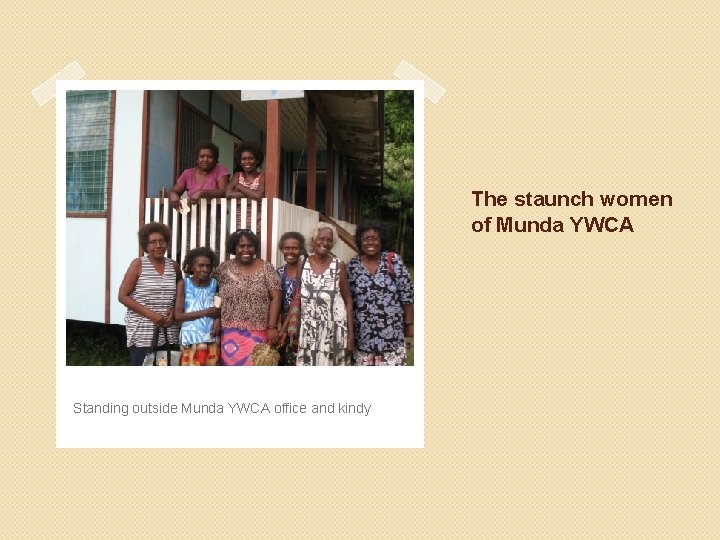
x=167 y=355
x=292 y=322
x=293 y=316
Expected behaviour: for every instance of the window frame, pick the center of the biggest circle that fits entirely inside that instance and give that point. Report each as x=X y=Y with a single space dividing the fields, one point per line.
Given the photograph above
x=109 y=176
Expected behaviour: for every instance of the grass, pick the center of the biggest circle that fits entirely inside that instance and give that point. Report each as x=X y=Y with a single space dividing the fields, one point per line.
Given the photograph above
x=95 y=344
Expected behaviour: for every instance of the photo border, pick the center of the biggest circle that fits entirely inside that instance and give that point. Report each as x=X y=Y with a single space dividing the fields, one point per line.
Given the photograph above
x=395 y=397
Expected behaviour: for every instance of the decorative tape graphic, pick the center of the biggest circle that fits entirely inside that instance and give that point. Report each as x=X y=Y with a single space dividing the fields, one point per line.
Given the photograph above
x=46 y=91
x=433 y=91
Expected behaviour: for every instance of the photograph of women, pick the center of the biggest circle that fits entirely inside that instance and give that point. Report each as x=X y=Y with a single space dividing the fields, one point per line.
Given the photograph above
x=218 y=224
x=230 y=219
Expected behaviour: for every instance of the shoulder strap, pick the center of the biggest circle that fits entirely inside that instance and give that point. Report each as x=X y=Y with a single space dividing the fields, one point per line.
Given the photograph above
x=303 y=262
x=295 y=300
x=391 y=269
x=155 y=338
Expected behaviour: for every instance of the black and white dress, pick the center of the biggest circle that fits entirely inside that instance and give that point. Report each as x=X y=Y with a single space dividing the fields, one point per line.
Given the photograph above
x=155 y=292
x=323 y=319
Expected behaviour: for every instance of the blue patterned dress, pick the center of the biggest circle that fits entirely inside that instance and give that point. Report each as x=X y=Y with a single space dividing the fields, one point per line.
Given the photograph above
x=378 y=301
x=196 y=299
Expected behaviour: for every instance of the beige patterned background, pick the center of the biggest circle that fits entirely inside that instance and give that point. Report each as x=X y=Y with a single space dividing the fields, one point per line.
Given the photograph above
x=571 y=379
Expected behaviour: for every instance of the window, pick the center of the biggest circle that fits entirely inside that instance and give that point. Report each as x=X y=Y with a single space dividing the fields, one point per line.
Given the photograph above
x=196 y=128
x=88 y=129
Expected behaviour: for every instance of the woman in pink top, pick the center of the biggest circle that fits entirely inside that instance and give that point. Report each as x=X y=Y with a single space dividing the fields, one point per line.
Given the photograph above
x=208 y=179
x=249 y=181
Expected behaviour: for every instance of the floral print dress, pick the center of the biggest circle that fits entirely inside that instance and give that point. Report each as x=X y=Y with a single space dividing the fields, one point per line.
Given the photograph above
x=323 y=319
x=378 y=302
x=198 y=348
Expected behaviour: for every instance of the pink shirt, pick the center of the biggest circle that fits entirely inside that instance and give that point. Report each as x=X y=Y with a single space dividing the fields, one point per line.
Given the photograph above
x=187 y=179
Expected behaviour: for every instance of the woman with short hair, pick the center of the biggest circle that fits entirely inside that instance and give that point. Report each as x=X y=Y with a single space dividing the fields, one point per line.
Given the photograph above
x=148 y=291
x=249 y=181
x=326 y=311
x=250 y=293
x=382 y=295
x=206 y=180
x=292 y=246
x=195 y=309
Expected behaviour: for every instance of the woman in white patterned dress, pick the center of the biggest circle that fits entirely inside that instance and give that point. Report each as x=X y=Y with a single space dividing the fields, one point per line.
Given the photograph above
x=326 y=310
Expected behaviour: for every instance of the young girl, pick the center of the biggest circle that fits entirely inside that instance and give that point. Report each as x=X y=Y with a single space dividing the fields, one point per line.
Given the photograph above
x=195 y=309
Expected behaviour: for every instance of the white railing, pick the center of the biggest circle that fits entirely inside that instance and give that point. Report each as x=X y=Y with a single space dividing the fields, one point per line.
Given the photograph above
x=208 y=223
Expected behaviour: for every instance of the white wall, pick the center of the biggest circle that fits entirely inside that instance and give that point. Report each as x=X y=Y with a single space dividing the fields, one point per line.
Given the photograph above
x=127 y=155
x=85 y=263
x=86 y=237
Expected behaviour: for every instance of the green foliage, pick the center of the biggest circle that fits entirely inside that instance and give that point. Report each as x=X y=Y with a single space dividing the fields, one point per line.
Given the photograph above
x=399 y=121
x=95 y=344
x=399 y=175
x=399 y=168
x=394 y=203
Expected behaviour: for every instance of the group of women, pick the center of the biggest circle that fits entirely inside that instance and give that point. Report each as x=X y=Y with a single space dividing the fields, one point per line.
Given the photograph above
x=361 y=314
x=314 y=308
x=209 y=178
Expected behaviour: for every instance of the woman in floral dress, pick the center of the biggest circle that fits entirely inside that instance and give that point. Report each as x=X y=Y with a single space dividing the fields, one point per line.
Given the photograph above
x=382 y=295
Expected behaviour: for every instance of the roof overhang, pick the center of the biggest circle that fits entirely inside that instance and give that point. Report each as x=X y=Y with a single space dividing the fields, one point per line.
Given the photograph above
x=352 y=119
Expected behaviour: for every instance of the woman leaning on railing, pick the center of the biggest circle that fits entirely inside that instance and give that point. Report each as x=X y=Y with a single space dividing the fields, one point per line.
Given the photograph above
x=207 y=180
x=249 y=181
